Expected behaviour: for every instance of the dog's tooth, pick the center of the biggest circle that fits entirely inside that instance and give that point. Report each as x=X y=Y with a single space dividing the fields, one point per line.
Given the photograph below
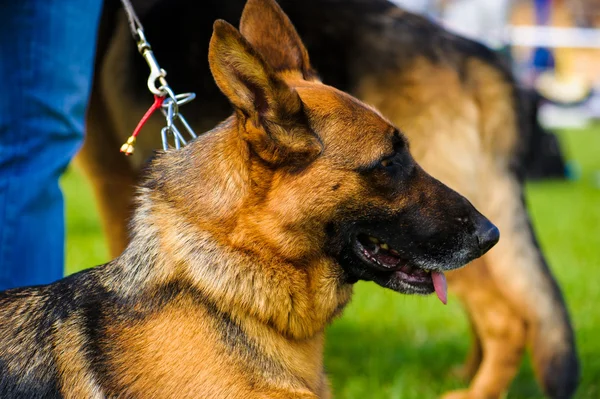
x=384 y=246
x=394 y=252
x=375 y=251
x=373 y=240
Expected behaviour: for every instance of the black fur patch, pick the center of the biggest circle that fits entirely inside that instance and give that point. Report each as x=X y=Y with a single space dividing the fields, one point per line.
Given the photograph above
x=27 y=385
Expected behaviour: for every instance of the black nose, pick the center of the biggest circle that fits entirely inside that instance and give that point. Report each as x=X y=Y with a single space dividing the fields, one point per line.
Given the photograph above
x=487 y=235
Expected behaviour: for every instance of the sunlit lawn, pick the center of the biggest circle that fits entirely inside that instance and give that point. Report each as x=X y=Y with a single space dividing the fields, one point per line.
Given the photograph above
x=392 y=346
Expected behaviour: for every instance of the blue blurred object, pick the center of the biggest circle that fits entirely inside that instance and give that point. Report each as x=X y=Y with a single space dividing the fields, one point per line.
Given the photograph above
x=542 y=58
x=543 y=9
x=46 y=59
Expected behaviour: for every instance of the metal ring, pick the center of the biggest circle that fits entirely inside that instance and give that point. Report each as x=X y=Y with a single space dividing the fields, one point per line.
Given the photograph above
x=185 y=98
x=180 y=99
x=172 y=98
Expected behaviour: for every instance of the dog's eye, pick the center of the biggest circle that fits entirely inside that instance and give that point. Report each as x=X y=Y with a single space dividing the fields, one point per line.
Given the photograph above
x=399 y=164
x=391 y=163
x=387 y=162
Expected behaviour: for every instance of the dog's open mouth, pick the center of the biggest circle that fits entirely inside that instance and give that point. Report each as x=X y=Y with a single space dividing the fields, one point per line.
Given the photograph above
x=381 y=256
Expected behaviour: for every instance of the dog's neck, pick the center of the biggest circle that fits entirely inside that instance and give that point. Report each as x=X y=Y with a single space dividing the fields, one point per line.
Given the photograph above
x=189 y=226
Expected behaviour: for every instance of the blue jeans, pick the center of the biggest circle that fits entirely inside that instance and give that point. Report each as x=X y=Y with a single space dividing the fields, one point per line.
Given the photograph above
x=47 y=50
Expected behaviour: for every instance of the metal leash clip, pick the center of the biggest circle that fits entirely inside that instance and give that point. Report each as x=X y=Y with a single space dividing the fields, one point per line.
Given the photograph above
x=170 y=109
x=165 y=99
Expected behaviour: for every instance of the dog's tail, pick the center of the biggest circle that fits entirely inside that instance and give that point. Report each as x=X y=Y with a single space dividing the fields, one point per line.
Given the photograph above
x=553 y=348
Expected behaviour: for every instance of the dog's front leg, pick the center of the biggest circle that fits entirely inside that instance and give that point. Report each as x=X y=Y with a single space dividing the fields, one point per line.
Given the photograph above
x=500 y=330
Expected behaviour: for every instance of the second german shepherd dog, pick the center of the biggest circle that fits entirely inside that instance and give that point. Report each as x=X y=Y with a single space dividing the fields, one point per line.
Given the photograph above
x=245 y=244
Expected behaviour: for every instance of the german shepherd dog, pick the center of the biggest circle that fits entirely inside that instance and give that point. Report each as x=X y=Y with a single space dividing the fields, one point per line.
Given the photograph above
x=245 y=244
x=455 y=101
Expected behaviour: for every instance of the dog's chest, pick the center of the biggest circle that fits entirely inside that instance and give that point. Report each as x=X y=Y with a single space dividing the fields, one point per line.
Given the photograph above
x=188 y=353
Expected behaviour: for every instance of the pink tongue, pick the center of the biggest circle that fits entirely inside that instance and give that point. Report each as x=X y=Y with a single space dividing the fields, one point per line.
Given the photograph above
x=440 y=286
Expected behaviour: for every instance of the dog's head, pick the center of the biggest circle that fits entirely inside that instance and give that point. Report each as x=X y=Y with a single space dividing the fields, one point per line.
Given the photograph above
x=329 y=176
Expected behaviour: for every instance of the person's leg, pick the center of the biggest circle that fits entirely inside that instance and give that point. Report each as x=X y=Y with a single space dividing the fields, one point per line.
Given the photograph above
x=46 y=60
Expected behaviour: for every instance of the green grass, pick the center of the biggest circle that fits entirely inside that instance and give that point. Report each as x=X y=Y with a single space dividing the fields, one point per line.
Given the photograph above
x=392 y=346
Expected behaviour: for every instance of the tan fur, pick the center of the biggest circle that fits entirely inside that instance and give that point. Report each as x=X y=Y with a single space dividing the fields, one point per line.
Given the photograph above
x=157 y=356
x=78 y=380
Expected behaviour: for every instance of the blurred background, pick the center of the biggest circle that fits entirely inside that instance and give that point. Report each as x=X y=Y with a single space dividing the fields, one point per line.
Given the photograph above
x=392 y=346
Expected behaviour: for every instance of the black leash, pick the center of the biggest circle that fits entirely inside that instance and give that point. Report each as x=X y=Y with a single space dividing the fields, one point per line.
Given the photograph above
x=164 y=97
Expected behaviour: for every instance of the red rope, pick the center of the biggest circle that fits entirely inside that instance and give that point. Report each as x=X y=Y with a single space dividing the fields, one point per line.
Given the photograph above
x=158 y=101
x=127 y=148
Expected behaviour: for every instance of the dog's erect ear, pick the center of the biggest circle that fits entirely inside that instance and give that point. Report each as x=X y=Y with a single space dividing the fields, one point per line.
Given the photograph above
x=274 y=121
x=271 y=33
